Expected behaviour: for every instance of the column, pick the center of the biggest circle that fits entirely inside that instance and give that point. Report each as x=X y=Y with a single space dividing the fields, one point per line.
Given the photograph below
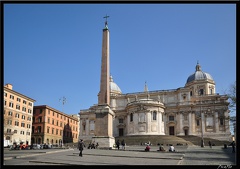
x=193 y=123
x=216 y=122
x=180 y=124
x=202 y=122
x=190 y=123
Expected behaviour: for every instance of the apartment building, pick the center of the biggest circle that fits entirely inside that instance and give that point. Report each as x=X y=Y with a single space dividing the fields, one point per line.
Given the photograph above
x=51 y=126
x=18 y=113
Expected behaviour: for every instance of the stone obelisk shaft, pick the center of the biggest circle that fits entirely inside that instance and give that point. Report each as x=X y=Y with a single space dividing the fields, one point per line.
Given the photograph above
x=104 y=94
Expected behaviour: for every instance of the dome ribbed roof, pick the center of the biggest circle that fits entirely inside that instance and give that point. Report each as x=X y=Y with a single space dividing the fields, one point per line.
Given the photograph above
x=114 y=87
x=199 y=75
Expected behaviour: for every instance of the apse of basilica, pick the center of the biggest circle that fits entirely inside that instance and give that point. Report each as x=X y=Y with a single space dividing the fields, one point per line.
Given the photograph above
x=194 y=109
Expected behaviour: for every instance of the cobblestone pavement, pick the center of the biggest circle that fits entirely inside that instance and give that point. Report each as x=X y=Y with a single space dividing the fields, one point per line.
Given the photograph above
x=133 y=155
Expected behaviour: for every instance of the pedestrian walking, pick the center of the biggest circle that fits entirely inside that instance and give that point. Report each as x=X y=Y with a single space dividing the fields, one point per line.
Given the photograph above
x=210 y=144
x=118 y=144
x=123 y=144
x=233 y=146
x=80 y=146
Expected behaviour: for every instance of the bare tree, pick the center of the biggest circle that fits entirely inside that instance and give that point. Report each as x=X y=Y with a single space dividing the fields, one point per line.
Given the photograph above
x=232 y=106
x=232 y=97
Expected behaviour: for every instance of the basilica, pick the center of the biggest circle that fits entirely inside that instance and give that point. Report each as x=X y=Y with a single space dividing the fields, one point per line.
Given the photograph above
x=195 y=109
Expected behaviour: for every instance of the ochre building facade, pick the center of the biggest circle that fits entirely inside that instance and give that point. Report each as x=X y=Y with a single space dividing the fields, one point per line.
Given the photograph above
x=53 y=127
x=18 y=113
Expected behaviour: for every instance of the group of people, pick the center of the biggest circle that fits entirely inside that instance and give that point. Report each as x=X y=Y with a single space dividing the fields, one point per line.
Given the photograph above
x=122 y=143
x=92 y=145
x=161 y=148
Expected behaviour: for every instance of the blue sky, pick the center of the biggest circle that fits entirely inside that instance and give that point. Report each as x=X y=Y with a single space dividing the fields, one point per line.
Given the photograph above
x=53 y=51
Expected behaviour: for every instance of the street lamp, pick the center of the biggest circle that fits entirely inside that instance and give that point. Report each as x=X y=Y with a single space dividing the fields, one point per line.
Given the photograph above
x=202 y=141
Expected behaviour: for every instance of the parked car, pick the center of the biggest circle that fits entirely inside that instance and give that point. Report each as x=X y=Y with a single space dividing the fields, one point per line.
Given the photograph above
x=24 y=146
x=36 y=146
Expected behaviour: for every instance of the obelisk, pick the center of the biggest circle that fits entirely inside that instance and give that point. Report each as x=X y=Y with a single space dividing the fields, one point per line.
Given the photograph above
x=103 y=112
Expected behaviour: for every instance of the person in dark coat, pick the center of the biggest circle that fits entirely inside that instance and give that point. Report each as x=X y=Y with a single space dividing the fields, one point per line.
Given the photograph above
x=233 y=146
x=80 y=147
x=118 y=144
x=210 y=144
x=123 y=144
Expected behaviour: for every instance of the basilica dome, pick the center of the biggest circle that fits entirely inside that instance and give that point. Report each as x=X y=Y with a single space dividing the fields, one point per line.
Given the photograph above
x=199 y=75
x=114 y=87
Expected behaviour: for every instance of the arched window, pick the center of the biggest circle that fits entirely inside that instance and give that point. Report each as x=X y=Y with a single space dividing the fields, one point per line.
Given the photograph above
x=201 y=92
x=154 y=115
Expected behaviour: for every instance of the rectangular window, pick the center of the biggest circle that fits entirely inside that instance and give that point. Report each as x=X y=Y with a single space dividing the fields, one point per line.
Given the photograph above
x=23 y=117
x=171 y=118
x=221 y=121
x=29 y=111
x=24 y=102
x=120 y=120
x=18 y=107
x=16 y=123
x=11 y=97
x=48 y=129
x=56 y=131
x=18 y=99
x=11 y=104
x=30 y=104
x=52 y=130
x=22 y=124
x=48 y=120
x=10 y=113
x=84 y=127
x=24 y=109
x=39 y=129
x=15 y=131
x=40 y=111
x=131 y=117
x=5 y=102
x=53 y=113
x=40 y=119
x=9 y=122
x=17 y=115
x=8 y=130
x=5 y=94
x=52 y=121
x=198 y=123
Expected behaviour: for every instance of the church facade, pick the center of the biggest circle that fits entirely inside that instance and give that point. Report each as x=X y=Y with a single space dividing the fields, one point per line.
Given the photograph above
x=195 y=109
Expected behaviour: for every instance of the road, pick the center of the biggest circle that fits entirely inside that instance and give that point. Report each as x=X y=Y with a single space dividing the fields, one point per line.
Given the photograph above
x=133 y=155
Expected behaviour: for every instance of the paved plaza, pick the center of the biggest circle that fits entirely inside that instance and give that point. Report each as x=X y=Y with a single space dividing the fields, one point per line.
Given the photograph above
x=133 y=155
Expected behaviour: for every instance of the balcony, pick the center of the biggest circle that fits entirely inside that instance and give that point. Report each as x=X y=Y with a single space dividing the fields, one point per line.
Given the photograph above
x=171 y=121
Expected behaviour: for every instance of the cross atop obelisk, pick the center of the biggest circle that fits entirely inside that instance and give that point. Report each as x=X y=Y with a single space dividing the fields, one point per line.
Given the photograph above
x=106 y=26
